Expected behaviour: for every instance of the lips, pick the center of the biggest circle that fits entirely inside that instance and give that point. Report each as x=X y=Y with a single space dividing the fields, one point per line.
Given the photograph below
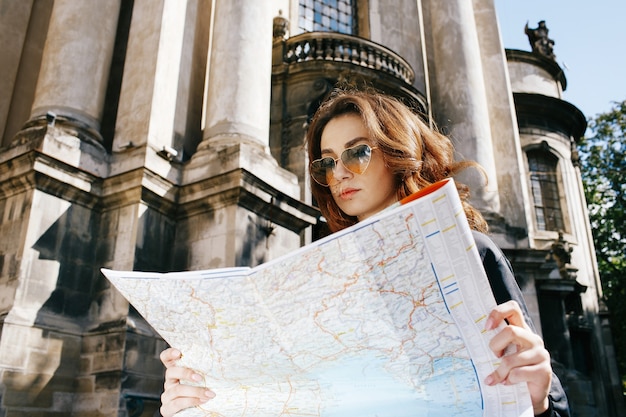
x=348 y=193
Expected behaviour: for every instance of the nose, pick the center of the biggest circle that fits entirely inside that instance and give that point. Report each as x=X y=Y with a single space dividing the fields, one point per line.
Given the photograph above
x=340 y=172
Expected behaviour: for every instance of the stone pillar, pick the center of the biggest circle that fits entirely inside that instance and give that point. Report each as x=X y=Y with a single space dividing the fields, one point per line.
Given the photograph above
x=240 y=70
x=459 y=99
x=150 y=88
x=76 y=60
x=233 y=177
x=14 y=20
x=504 y=131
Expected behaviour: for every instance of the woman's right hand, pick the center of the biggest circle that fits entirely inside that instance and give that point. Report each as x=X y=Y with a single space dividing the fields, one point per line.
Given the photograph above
x=177 y=396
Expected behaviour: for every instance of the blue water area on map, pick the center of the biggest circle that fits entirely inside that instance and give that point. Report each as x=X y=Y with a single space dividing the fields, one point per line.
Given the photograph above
x=361 y=386
x=454 y=388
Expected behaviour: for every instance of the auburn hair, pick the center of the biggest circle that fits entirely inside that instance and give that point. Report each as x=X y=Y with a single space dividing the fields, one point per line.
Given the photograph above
x=416 y=154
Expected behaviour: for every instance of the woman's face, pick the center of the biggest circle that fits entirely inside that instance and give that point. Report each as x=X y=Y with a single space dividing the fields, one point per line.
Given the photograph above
x=360 y=195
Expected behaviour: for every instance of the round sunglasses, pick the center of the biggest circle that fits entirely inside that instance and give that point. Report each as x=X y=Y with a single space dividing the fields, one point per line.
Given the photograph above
x=355 y=159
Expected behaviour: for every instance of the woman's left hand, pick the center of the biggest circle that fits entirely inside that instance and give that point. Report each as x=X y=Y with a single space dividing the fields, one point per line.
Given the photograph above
x=530 y=362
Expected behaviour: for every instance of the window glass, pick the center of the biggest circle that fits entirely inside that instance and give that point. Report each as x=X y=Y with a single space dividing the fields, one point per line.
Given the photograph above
x=328 y=15
x=545 y=190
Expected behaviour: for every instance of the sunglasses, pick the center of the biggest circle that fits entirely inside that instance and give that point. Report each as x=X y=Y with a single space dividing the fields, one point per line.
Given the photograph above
x=355 y=160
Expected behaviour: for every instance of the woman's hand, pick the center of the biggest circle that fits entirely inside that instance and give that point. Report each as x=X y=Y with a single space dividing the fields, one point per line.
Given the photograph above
x=177 y=396
x=531 y=361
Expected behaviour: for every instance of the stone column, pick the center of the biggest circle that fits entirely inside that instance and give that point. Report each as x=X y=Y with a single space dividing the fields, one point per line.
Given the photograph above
x=459 y=98
x=504 y=131
x=240 y=70
x=76 y=60
x=14 y=20
x=251 y=208
x=150 y=88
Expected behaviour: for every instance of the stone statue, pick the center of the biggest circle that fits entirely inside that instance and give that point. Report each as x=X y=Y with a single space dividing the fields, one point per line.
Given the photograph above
x=539 y=40
x=281 y=26
x=561 y=253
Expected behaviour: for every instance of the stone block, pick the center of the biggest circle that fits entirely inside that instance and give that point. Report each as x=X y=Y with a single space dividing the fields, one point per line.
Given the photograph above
x=115 y=341
x=107 y=361
x=77 y=274
x=11 y=352
x=62 y=401
x=30 y=337
x=101 y=404
x=86 y=384
x=85 y=364
x=29 y=413
x=98 y=344
x=149 y=385
x=86 y=402
x=110 y=402
x=43 y=361
x=92 y=343
x=25 y=388
x=13 y=397
x=107 y=381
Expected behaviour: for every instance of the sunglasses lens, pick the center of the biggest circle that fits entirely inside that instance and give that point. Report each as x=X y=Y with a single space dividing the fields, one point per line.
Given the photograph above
x=357 y=159
x=322 y=170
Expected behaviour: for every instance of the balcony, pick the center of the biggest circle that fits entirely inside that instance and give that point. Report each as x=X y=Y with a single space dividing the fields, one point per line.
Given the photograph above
x=338 y=48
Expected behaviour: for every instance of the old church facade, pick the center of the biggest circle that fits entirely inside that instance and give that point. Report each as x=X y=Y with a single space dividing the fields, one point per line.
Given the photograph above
x=167 y=135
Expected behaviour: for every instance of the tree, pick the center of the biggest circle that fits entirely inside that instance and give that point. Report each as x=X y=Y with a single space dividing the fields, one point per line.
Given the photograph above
x=603 y=172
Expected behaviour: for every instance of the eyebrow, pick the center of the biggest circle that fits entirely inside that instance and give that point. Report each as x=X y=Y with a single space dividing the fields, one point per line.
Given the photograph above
x=347 y=145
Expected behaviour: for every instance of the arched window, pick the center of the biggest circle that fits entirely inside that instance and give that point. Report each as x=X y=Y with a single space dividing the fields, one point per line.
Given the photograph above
x=328 y=15
x=542 y=165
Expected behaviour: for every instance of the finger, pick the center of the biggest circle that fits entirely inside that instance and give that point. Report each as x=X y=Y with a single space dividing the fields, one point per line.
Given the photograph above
x=529 y=374
x=509 y=311
x=195 y=396
x=538 y=378
x=179 y=391
x=526 y=374
x=522 y=338
x=179 y=396
x=519 y=367
x=169 y=356
x=176 y=374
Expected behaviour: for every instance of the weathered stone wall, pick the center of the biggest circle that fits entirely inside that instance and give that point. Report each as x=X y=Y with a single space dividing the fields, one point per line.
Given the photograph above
x=42 y=340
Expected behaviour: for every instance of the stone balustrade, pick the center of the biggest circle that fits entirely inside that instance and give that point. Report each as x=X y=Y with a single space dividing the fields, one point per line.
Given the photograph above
x=337 y=47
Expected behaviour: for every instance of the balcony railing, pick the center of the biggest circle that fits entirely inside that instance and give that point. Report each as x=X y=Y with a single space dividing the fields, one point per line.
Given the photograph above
x=337 y=47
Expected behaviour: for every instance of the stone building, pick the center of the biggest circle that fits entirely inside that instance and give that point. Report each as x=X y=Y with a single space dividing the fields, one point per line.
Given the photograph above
x=167 y=135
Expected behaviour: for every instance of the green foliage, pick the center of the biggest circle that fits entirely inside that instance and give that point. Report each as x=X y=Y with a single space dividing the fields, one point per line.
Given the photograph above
x=603 y=171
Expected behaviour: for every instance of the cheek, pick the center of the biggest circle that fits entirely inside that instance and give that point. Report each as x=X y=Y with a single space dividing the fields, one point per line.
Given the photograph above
x=383 y=174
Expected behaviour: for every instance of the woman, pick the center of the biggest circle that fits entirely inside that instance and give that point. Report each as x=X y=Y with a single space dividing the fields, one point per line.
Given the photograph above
x=368 y=151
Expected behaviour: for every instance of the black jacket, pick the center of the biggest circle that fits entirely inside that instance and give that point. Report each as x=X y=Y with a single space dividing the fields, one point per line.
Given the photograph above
x=505 y=288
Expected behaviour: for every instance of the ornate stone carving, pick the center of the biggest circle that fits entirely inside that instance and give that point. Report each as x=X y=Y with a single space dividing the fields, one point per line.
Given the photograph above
x=281 y=26
x=561 y=254
x=539 y=40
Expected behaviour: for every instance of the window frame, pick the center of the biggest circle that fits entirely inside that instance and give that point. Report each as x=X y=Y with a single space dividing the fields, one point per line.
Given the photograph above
x=555 y=179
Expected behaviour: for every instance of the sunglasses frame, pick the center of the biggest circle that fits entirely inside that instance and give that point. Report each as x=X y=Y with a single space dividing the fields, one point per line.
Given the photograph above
x=336 y=161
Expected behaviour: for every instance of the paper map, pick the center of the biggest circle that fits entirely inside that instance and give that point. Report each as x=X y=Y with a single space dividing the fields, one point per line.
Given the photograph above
x=385 y=318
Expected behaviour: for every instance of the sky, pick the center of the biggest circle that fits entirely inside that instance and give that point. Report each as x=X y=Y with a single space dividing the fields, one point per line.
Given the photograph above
x=590 y=45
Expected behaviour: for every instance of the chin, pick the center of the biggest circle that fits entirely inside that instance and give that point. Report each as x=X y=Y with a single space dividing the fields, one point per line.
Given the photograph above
x=348 y=212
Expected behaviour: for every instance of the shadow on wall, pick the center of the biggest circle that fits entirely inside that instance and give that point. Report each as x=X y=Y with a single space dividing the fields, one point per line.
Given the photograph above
x=90 y=343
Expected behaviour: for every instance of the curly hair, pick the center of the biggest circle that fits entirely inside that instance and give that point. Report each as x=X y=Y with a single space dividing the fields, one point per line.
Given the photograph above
x=416 y=154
